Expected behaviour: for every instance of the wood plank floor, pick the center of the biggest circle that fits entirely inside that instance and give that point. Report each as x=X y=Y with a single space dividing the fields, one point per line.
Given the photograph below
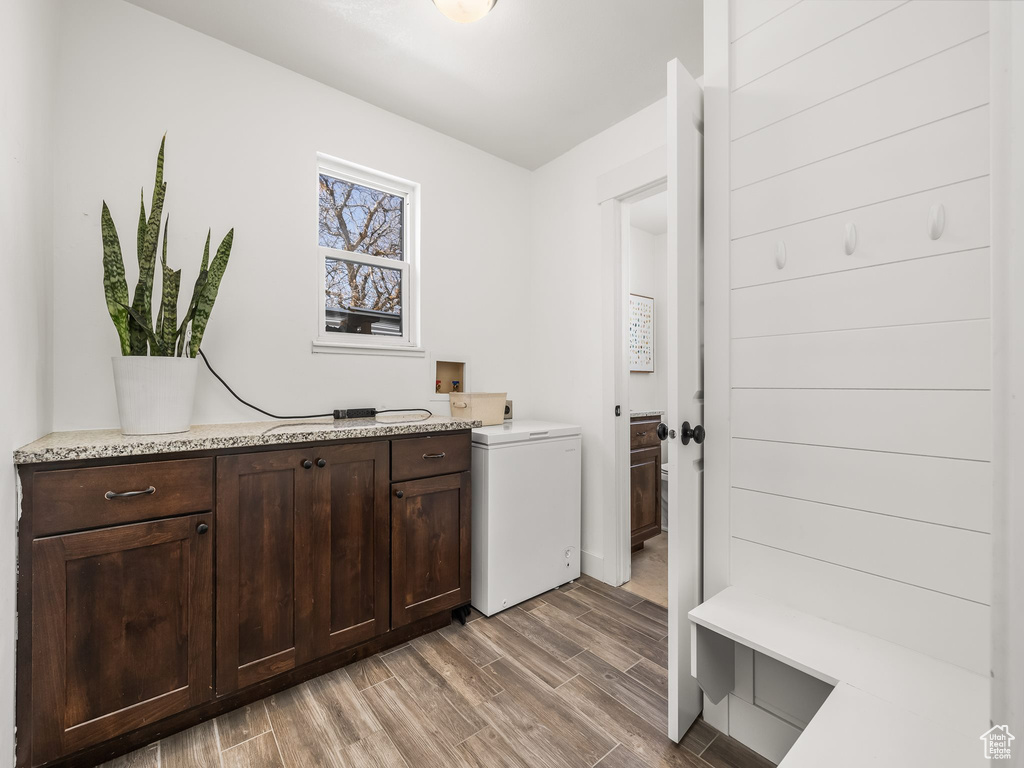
x=575 y=678
x=649 y=570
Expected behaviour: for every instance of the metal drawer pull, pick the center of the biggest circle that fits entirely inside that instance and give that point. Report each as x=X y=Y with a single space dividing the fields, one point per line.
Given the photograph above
x=433 y=455
x=642 y=434
x=128 y=494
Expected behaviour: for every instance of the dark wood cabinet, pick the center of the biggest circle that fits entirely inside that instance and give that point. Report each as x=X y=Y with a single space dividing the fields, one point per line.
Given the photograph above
x=351 y=537
x=264 y=582
x=430 y=546
x=302 y=557
x=75 y=499
x=644 y=480
x=429 y=456
x=156 y=594
x=122 y=630
x=644 y=494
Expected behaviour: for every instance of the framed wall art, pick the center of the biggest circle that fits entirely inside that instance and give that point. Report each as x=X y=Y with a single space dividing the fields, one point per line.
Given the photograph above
x=640 y=334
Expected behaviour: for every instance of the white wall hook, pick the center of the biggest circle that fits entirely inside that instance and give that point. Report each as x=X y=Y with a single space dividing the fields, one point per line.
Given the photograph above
x=851 y=238
x=936 y=221
x=780 y=254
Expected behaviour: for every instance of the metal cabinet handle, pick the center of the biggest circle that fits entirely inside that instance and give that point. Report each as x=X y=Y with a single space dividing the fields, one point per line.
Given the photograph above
x=434 y=455
x=399 y=494
x=321 y=463
x=202 y=528
x=128 y=494
x=307 y=464
x=642 y=434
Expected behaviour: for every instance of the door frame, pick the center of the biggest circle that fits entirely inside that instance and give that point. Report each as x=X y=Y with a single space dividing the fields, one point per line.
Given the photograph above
x=717 y=297
x=717 y=316
x=1006 y=25
x=631 y=182
x=642 y=177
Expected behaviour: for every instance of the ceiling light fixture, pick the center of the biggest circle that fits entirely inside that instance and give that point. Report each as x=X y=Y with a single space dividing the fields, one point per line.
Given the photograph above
x=465 y=11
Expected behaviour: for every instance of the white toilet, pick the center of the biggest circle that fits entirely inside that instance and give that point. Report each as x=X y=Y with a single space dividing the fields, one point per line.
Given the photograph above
x=664 y=497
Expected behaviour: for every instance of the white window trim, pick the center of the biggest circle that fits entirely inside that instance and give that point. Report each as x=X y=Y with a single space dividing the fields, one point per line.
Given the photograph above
x=409 y=343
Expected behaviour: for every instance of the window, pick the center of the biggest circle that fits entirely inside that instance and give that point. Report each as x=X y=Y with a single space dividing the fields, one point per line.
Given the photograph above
x=367 y=261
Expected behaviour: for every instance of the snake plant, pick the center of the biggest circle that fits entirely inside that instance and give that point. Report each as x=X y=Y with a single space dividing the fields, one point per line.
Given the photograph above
x=134 y=322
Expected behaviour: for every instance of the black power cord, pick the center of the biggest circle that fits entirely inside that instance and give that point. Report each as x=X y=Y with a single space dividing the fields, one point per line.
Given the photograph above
x=227 y=386
x=335 y=414
x=407 y=410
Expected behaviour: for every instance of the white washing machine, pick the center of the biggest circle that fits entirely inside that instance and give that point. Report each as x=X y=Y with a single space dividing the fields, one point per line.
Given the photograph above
x=526 y=511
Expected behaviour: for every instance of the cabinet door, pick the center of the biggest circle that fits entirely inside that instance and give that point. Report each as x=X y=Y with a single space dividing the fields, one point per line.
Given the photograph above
x=351 y=532
x=122 y=630
x=264 y=576
x=430 y=546
x=645 y=494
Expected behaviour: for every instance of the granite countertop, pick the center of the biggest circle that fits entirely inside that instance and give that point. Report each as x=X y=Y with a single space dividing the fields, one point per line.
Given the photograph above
x=646 y=413
x=108 y=443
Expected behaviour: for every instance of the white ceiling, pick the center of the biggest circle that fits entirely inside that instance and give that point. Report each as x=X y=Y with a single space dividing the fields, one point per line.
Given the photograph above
x=650 y=214
x=531 y=80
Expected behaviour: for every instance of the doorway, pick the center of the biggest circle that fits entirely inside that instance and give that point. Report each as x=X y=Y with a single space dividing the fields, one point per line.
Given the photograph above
x=646 y=229
x=677 y=169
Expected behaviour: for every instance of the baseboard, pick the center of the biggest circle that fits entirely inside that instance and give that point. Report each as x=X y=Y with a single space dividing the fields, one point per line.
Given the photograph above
x=592 y=565
x=717 y=715
x=760 y=730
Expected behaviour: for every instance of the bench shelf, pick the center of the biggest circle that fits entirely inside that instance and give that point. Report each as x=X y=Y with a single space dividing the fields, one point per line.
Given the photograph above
x=891 y=705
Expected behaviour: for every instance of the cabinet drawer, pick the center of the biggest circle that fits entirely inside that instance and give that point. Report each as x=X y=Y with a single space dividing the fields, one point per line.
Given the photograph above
x=72 y=499
x=429 y=456
x=644 y=434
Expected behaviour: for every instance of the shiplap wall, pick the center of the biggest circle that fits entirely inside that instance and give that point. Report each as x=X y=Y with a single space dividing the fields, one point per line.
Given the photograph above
x=861 y=405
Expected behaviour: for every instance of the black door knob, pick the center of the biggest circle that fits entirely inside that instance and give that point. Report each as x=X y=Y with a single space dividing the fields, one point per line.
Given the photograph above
x=307 y=464
x=321 y=463
x=663 y=431
x=697 y=433
x=399 y=494
x=202 y=528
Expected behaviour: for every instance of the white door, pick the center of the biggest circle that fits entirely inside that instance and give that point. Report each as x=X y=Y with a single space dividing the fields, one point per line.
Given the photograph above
x=685 y=395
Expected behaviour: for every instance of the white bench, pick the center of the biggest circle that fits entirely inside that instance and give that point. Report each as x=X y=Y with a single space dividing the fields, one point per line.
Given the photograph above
x=891 y=706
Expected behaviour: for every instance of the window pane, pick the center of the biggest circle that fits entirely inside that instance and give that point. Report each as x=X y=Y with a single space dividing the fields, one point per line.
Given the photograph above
x=363 y=299
x=360 y=219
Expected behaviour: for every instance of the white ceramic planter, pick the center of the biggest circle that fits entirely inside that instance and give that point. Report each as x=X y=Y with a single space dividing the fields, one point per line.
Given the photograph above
x=155 y=394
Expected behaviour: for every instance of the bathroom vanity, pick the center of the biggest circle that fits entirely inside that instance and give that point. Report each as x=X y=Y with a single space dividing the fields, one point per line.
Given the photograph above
x=644 y=477
x=166 y=579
